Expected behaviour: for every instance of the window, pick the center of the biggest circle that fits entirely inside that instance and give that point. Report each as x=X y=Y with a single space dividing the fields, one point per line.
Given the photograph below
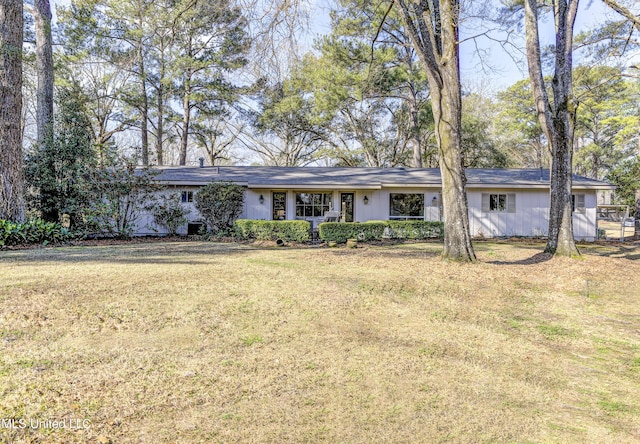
x=279 y=206
x=187 y=196
x=577 y=204
x=499 y=203
x=406 y=206
x=312 y=204
x=347 y=200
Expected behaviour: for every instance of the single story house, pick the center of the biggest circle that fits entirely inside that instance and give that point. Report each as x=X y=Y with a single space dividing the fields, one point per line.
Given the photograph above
x=502 y=202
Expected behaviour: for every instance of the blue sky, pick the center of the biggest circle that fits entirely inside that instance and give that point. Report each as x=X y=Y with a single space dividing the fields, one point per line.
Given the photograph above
x=497 y=70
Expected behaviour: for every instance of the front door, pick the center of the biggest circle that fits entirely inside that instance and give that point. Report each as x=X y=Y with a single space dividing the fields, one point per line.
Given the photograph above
x=347 y=209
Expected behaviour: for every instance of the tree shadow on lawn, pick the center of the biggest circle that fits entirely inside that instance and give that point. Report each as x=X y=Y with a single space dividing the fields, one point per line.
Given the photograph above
x=537 y=258
x=135 y=253
x=629 y=251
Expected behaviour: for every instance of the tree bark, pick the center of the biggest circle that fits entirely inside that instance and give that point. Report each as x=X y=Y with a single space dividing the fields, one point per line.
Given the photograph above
x=160 y=126
x=144 y=105
x=433 y=29
x=186 y=120
x=415 y=141
x=44 y=67
x=11 y=180
x=557 y=118
x=636 y=231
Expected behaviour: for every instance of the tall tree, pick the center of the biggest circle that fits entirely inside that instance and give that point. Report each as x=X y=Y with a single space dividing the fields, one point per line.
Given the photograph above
x=518 y=127
x=377 y=45
x=434 y=33
x=480 y=149
x=56 y=169
x=606 y=120
x=116 y=32
x=102 y=86
x=211 y=42
x=286 y=133
x=44 y=67
x=557 y=116
x=634 y=18
x=11 y=181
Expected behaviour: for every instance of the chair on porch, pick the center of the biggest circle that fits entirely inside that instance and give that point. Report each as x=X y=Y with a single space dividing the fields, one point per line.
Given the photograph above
x=331 y=216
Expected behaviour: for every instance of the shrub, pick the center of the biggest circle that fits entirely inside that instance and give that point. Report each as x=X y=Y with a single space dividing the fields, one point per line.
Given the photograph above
x=287 y=230
x=378 y=230
x=119 y=193
x=35 y=231
x=415 y=229
x=169 y=212
x=220 y=204
x=341 y=231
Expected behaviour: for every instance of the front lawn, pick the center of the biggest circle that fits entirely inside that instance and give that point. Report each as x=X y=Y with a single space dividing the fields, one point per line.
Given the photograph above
x=206 y=342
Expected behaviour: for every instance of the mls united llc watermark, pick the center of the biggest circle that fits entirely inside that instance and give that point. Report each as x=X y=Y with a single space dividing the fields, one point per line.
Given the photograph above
x=21 y=424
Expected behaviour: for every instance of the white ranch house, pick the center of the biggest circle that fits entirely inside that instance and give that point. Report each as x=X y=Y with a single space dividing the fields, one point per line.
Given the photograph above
x=502 y=202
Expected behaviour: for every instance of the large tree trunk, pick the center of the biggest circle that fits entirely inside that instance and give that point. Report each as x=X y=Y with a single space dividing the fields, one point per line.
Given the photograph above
x=144 y=104
x=44 y=66
x=457 y=237
x=433 y=29
x=414 y=141
x=636 y=231
x=11 y=180
x=186 y=120
x=556 y=118
x=160 y=126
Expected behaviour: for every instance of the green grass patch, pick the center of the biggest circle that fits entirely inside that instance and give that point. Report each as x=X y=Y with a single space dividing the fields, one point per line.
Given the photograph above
x=298 y=344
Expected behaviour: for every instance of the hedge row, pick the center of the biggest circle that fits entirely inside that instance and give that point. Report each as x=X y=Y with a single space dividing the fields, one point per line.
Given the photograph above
x=287 y=230
x=32 y=232
x=378 y=230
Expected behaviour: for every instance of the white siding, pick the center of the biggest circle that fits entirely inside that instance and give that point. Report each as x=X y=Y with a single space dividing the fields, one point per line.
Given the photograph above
x=531 y=217
x=253 y=209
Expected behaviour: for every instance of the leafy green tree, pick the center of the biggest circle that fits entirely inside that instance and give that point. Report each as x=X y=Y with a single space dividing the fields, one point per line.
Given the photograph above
x=368 y=89
x=177 y=55
x=55 y=170
x=220 y=204
x=211 y=42
x=479 y=146
x=116 y=33
x=518 y=129
x=103 y=89
x=118 y=195
x=606 y=120
x=169 y=212
x=626 y=177
x=287 y=133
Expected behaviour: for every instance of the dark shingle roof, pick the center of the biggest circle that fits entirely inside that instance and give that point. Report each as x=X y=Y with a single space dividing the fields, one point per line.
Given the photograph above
x=286 y=177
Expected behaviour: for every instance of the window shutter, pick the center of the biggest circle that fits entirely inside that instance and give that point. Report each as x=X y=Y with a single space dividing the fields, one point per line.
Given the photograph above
x=580 y=205
x=485 y=203
x=511 y=203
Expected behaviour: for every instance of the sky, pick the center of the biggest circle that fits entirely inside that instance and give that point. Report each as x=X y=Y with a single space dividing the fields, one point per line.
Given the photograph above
x=491 y=68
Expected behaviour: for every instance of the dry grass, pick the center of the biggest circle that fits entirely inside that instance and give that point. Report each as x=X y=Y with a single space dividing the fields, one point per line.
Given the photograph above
x=204 y=342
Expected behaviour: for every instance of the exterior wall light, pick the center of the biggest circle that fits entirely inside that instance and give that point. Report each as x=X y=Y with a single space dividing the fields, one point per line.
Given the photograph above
x=261 y=199
x=434 y=202
x=366 y=200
